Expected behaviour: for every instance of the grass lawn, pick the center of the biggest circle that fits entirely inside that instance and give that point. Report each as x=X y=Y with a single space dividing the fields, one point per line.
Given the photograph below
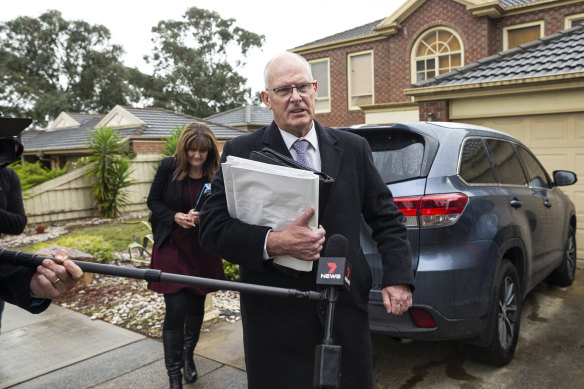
x=118 y=234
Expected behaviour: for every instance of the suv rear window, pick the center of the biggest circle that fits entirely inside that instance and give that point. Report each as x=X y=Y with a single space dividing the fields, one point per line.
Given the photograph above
x=398 y=155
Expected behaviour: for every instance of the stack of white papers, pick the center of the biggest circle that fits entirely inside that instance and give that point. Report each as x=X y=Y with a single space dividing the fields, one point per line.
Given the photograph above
x=270 y=195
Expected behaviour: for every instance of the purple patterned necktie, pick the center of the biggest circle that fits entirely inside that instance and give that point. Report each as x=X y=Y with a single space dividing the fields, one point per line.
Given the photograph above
x=301 y=145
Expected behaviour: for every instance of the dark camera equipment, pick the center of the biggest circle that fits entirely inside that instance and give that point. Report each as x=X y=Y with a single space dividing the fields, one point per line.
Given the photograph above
x=10 y=145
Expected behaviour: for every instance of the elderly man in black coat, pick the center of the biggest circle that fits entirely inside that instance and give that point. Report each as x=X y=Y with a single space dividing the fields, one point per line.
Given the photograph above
x=280 y=335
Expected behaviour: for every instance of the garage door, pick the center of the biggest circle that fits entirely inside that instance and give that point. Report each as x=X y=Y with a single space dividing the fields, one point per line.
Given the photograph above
x=558 y=142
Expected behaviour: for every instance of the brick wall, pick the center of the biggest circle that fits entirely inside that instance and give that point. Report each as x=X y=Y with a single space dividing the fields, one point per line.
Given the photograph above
x=146 y=147
x=340 y=115
x=481 y=37
x=434 y=111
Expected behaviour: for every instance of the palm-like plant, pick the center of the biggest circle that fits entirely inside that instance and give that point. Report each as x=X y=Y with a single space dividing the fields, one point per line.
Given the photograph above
x=170 y=142
x=111 y=171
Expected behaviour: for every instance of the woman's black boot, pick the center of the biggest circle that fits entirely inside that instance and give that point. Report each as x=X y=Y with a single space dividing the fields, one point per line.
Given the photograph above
x=173 y=355
x=192 y=330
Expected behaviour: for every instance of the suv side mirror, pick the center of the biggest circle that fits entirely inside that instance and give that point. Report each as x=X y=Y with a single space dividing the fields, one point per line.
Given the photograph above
x=564 y=177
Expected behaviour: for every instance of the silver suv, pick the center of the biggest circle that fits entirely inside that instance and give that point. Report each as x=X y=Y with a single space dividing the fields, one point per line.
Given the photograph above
x=486 y=224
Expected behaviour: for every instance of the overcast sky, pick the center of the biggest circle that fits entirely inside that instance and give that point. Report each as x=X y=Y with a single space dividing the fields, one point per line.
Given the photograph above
x=285 y=24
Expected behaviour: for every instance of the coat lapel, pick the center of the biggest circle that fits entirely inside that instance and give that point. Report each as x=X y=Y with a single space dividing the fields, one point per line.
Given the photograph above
x=331 y=153
x=273 y=140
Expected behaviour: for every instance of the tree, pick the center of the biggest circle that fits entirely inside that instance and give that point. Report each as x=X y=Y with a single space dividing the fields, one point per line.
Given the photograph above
x=196 y=57
x=49 y=65
x=111 y=170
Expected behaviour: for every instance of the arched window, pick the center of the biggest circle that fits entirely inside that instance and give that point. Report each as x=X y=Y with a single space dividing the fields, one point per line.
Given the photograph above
x=437 y=51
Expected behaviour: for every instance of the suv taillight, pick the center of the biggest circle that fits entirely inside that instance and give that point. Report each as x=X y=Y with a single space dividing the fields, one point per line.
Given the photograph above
x=435 y=210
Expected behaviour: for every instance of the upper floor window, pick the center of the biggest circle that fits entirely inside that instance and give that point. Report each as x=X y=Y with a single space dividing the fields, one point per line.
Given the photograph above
x=514 y=36
x=360 y=79
x=320 y=69
x=573 y=20
x=437 y=51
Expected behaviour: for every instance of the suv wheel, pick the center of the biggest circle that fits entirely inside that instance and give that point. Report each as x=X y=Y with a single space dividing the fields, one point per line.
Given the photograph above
x=565 y=273
x=503 y=318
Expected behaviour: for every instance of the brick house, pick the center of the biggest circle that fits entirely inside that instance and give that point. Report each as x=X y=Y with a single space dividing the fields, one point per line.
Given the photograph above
x=513 y=65
x=363 y=72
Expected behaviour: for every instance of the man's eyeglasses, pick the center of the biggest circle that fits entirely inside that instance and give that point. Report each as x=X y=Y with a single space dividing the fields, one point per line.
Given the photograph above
x=302 y=89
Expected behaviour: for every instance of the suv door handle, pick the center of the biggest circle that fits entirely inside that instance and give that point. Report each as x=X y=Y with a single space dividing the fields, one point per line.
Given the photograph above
x=547 y=203
x=515 y=203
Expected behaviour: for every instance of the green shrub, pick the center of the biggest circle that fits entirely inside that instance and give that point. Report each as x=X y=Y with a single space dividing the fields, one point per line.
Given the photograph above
x=170 y=142
x=111 y=168
x=141 y=244
x=98 y=247
x=33 y=174
x=231 y=271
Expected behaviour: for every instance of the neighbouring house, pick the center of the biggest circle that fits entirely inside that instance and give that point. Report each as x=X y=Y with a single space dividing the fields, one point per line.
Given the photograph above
x=69 y=197
x=66 y=138
x=512 y=65
x=247 y=117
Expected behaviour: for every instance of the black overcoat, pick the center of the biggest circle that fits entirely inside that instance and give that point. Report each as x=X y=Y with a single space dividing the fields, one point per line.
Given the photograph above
x=280 y=335
x=15 y=288
x=164 y=200
x=15 y=280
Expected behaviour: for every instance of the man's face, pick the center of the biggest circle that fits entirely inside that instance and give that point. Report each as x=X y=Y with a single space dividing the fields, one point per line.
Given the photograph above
x=293 y=112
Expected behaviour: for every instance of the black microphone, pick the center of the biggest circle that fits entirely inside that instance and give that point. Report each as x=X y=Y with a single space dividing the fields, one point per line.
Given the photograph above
x=19 y=258
x=333 y=272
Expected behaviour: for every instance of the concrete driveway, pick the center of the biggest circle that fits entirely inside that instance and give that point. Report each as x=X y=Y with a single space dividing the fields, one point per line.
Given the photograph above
x=550 y=353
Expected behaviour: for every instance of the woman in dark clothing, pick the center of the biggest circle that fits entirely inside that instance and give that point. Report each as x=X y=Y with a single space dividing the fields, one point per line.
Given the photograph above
x=176 y=187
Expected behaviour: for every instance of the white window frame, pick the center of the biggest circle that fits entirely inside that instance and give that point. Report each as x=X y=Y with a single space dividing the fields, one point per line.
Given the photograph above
x=414 y=57
x=506 y=30
x=328 y=71
x=350 y=81
x=570 y=18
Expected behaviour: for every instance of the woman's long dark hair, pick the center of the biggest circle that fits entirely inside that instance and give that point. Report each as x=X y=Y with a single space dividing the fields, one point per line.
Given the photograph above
x=196 y=136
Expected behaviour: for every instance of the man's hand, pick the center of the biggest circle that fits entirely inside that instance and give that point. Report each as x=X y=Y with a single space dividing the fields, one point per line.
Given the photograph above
x=298 y=240
x=53 y=280
x=397 y=299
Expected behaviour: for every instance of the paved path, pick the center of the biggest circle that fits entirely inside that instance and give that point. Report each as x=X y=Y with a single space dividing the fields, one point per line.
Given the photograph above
x=61 y=348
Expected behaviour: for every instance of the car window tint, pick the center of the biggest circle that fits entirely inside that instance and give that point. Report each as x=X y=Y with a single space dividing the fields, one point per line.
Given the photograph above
x=398 y=156
x=536 y=174
x=475 y=167
x=507 y=166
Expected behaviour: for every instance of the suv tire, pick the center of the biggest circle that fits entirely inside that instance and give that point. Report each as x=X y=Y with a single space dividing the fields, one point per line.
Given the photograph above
x=564 y=275
x=503 y=318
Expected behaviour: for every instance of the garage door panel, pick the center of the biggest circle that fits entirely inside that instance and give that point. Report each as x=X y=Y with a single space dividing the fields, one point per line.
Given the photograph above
x=579 y=165
x=553 y=162
x=550 y=131
x=579 y=128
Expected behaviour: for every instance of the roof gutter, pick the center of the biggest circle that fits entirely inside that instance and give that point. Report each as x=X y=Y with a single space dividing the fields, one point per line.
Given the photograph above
x=521 y=85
